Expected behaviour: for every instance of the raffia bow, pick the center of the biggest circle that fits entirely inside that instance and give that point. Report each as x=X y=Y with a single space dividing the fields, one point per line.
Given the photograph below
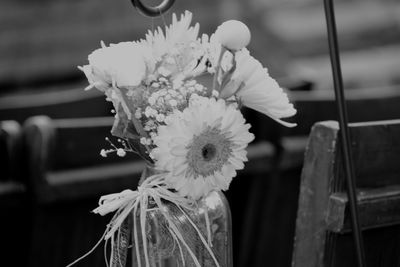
x=127 y=201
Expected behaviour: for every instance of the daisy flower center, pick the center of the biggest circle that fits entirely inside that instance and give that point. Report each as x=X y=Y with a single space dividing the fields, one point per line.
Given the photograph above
x=208 y=152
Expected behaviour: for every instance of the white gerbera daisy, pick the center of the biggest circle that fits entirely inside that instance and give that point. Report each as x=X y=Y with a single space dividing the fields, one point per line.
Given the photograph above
x=254 y=87
x=202 y=147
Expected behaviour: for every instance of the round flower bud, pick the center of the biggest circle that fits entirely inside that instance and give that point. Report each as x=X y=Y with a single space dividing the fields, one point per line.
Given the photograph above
x=233 y=35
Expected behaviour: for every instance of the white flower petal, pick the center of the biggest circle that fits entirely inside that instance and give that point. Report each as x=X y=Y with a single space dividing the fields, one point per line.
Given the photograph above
x=237 y=163
x=257 y=90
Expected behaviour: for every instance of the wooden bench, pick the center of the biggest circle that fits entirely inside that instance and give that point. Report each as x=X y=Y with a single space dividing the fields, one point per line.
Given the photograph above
x=323 y=236
x=67 y=176
x=67 y=151
x=268 y=199
x=68 y=171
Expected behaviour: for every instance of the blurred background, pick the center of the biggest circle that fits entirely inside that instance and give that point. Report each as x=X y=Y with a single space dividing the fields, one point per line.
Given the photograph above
x=51 y=174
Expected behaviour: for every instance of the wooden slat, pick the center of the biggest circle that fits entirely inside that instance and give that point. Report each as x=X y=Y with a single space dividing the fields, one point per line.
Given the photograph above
x=12 y=186
x=377 y=208
x=13 y=197
x=375 y=151
x=10 y=132
x=55 y=102
x=92 y=182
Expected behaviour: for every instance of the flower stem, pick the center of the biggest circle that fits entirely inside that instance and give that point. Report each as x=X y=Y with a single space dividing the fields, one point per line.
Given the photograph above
x=218 y=67
x=136 y=123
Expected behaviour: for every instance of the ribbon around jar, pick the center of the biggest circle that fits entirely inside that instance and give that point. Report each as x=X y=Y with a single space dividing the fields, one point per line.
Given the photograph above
x=137 y=201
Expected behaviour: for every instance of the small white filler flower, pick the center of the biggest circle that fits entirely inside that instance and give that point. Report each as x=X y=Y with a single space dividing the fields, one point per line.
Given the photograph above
x=202 y=147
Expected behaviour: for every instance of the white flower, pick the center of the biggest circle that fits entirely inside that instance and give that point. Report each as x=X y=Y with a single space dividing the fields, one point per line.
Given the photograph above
x=150 y=112
x=254 y=87
x=163 y=71
x=143 y=140
x=121 y=152
x=178 y=33
x=202 y=147
x=103 y=153
x=160 y=117
x=123 y=65
x=233 y=35
x=173 y=103
x=155 y=85
x=138 y=113
x=178 y=50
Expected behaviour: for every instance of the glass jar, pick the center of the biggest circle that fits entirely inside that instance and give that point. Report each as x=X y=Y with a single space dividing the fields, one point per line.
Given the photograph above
x=163 y=248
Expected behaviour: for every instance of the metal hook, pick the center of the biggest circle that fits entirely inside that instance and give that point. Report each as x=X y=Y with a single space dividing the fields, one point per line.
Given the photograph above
x=151 y=11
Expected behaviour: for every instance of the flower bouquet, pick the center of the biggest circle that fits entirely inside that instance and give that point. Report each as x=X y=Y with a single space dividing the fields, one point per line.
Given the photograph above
x=193 y=138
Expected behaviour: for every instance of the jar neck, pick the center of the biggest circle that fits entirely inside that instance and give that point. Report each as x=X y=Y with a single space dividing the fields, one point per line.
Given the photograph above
x=148 y=171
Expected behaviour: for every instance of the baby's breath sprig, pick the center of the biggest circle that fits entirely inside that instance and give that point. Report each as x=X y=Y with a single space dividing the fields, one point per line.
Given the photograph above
x=120 y=151
x=125 y=147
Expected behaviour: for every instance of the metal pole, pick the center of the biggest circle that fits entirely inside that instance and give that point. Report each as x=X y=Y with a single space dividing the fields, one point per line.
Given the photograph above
x=344 y=130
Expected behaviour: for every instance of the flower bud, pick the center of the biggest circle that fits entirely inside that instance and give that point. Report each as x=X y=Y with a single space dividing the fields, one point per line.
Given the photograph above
x=233 y=35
